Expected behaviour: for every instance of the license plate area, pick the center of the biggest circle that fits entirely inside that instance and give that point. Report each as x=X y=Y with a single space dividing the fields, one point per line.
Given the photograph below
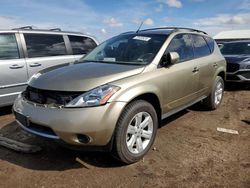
x=22 y=119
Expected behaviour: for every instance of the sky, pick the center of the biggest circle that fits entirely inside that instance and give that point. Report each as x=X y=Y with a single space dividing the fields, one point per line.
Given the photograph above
x=106 y=18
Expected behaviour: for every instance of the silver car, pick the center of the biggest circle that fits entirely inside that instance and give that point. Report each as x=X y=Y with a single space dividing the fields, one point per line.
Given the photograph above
x=25 y=51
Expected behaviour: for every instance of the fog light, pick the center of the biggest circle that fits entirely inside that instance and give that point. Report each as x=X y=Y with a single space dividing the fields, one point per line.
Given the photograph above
x=83 y=138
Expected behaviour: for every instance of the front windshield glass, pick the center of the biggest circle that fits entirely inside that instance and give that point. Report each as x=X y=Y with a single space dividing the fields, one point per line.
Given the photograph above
x=135 y=49
x=237 y=48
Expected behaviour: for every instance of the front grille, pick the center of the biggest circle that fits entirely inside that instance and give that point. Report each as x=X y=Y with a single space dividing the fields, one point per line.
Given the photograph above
x=245 y=75
x=48 y=97
x=232 y=77
x=232 y=67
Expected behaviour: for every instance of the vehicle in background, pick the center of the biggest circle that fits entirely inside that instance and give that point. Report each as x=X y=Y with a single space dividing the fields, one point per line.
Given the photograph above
x=115 y=98
x=234 y=45
x=233 y=35
x=25 y=51
x=237 y=55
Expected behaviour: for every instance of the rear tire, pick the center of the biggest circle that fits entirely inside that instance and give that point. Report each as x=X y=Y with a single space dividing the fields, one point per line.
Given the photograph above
x=135 y=132
x=214 y=100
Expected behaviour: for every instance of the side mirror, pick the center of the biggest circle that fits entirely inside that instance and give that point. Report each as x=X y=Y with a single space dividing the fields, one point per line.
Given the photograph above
x=170 y=58
x=173 y=57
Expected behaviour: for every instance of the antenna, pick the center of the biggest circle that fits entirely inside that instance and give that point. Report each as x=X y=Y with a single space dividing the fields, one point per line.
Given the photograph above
x=139 y=27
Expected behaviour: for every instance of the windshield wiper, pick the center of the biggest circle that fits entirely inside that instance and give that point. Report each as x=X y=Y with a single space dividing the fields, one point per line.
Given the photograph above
x=112 y=62
x=87 y=61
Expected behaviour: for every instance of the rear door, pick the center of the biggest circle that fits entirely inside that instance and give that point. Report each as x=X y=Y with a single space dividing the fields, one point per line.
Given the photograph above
x=81 y=45
x=45 y=50
x=202 y=54
x=181 y=78
x=13 y=72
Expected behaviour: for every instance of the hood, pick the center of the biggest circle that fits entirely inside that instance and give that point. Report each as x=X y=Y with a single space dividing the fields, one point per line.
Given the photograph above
x=82 y=76
x=237 y=58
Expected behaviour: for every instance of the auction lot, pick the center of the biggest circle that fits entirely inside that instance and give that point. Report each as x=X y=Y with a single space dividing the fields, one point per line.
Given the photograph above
x=188 y=152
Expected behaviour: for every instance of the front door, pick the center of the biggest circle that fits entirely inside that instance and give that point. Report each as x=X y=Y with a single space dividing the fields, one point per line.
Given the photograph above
x=13 y=71
x=181 y=78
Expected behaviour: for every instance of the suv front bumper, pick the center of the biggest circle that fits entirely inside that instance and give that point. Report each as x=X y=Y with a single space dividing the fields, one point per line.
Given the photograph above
x=96 y=123
x=242 y=75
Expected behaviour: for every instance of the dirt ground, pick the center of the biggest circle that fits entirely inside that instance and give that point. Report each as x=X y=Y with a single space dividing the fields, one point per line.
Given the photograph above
x=188 y=152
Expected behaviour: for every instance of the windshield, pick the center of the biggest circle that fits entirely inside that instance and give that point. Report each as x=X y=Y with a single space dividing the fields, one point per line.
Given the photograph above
x=237 y=48
x=136 y=49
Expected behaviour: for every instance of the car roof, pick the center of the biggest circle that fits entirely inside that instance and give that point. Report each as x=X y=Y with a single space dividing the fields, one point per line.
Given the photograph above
x=29 y=29
x=166 y=30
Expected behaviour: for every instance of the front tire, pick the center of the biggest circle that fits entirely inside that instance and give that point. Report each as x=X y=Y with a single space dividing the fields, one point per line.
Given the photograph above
x=135 y=131
x=214 y=100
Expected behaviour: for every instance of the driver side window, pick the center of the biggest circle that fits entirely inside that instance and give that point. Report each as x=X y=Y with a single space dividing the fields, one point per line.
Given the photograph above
x=182 y=44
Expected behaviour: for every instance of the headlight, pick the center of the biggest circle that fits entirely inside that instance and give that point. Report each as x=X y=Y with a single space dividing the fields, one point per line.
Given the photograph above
x=245 y=64
x=95 y=97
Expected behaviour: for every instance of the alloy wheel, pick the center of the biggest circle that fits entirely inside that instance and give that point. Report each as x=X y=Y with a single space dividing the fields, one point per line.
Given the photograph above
x=218 y=93
x=139 y=132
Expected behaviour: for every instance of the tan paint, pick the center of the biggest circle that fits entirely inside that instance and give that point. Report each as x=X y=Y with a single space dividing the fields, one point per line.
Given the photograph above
x=175 y=86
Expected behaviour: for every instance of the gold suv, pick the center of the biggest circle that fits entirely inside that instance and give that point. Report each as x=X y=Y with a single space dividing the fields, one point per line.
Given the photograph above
x=115 y=97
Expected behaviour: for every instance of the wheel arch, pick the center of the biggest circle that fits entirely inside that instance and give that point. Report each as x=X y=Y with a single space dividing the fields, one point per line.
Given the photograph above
x=222 y=74
x=153 y=99
x=150 y=98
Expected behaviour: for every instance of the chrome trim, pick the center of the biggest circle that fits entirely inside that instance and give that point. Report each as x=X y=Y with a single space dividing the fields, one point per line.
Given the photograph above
x=181 y=108
x=13 y=85
x=237 y=74
x=9 y=94
x=25 y=53
x=240 y=70
x=243 y=78
x=20 y=46
x=37 y=133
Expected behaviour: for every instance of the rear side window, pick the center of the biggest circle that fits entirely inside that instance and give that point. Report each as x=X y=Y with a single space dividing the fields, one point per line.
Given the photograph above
x=182 y=44
x=42 y=45
x=210 y=43
x=8 y=47
x=200 y=46
x=81 y=45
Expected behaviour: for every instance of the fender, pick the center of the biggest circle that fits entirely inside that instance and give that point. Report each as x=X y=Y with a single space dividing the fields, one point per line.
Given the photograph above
x=128 y=94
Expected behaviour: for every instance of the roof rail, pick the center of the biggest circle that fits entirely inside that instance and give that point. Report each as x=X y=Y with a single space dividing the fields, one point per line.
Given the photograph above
x=175 y=29
x=55 y=29
x=47 y=30
x=31 y=28
x=25 y=27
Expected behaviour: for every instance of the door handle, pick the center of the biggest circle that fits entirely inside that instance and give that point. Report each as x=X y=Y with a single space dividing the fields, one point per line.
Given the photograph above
x=215 y=65
x=16 y=66
x=195 y=69
x=35 y=65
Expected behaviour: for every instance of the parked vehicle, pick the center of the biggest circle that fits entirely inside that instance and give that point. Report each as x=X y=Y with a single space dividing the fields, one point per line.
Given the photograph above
x=115 y=98
x=237 y=54
x=25 y=51
x=232 y=35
